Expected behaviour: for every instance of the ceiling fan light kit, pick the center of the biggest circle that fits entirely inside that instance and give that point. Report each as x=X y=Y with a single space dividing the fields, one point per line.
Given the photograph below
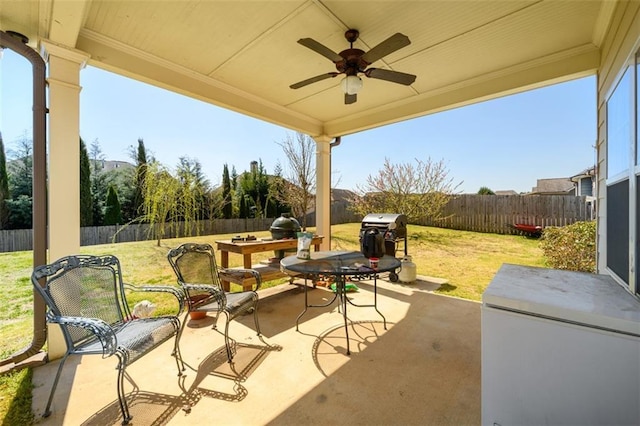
x=351 y=84
x=353 y=61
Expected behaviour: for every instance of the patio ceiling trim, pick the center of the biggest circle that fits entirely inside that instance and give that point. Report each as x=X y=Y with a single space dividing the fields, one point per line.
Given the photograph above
x=65 y=20
x=124 y=60
x=556 y=68
x=116 y=57
x=64 y=24
x=607 y=9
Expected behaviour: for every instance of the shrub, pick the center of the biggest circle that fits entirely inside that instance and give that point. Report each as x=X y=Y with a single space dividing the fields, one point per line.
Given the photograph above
x=484 y=190
x=571 y=247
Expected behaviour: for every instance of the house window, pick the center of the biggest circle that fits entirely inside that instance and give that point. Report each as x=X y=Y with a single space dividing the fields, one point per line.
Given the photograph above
x=619 y=126
x=620 y=133
x=618 y=229
x=586 y=186
x=637 y=275
x=623 y=178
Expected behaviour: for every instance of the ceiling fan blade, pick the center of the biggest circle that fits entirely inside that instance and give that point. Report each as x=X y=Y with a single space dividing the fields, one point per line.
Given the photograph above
x=313 y=80
x=350 y=99
x=388 y=75
x=390 y=45
x=321 y=49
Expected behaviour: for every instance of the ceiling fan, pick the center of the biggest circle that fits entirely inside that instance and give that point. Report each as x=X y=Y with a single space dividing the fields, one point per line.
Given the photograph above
x=352 y=61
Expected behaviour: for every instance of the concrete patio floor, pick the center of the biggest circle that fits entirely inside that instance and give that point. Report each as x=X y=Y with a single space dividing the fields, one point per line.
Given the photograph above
x=424 y=369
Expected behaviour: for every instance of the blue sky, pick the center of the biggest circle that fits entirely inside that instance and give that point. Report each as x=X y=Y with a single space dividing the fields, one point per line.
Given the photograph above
x=505 y=143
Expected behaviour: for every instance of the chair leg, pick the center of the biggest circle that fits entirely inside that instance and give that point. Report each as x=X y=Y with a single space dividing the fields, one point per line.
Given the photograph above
x=255 y=317
x=124 y=408
x=176 y=347
x=226 y=337
x=182 y=324
x=47 y=410
x=215 y=320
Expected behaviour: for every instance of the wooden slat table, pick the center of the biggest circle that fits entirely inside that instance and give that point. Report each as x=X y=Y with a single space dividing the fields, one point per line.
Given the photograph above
x=246 y=249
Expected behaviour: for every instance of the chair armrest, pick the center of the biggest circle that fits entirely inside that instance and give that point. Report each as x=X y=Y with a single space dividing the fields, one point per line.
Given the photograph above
x=97 y=327
x=179 y=295
x=253 y=272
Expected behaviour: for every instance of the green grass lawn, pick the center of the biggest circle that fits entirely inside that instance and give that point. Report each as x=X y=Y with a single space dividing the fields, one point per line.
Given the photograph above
x=466 y=260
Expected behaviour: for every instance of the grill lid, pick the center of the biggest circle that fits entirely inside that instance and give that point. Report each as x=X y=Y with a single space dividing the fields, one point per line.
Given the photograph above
x=284 y=227
x=382 y=220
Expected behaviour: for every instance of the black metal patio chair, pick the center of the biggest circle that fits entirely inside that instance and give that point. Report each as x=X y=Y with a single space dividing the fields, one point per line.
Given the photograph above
x=86 y=297
x=197 y=273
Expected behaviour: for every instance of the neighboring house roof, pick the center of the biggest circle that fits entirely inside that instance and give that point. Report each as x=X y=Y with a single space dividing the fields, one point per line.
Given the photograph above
x=342 y=195
x=590 y=172
x=562 y=186
x=108 y=165
x=506 y=192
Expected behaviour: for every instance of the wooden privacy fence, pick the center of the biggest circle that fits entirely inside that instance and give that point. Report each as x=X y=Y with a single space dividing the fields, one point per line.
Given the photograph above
x=21 y=239
x=16 y=240
x=140 y=232
x=479 y=213
x=497 y=213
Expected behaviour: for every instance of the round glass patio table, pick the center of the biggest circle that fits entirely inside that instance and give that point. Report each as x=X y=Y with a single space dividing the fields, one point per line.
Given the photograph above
x=340 y=265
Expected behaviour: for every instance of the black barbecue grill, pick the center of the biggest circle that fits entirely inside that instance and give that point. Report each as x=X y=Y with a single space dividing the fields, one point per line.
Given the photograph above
x=392 y=234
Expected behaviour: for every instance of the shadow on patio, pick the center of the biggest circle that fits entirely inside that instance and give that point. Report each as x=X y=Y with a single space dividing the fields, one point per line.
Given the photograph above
x=424 y=369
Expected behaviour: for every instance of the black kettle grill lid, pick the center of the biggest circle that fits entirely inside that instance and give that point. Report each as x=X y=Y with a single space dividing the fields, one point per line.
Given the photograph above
x=285 y=223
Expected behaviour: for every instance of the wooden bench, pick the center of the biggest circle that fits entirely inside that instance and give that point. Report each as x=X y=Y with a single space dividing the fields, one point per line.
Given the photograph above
x=270 y=271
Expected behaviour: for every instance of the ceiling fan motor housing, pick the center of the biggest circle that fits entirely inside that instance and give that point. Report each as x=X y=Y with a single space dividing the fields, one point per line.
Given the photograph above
x=352 y=62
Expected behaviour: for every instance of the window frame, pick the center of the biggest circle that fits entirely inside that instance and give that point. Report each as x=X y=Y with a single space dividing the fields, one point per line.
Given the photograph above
x=631 y=176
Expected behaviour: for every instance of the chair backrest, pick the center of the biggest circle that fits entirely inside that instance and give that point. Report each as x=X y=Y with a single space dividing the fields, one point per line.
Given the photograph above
x=195 y=264
x=83 y=286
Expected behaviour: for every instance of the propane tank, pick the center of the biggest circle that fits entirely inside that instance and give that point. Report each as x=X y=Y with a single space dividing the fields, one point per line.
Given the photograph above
x=407 y=270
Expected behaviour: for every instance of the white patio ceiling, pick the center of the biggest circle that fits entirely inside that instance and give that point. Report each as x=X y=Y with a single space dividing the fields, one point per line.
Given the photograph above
x=243 y=55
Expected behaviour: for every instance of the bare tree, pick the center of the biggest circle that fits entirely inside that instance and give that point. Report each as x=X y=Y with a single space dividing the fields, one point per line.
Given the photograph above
x=299 y=192
x=416 y=190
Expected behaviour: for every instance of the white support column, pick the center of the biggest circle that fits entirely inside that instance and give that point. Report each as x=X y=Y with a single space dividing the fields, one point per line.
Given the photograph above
x=64 y=65
x=323 y=189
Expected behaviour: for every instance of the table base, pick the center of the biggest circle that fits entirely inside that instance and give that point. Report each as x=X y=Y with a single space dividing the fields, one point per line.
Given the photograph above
x=340 y=294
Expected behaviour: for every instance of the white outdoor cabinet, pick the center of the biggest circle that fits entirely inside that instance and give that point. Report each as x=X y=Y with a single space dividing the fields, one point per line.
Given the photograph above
x=559 y=348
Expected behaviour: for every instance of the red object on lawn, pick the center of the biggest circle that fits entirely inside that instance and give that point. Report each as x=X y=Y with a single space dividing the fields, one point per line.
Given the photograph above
x=529 y=229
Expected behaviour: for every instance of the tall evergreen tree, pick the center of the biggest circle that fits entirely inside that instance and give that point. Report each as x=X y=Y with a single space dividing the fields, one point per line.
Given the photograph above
x=98 y=186
x=86 y=200
x=141 y=172
x=227 y=209
x=255 y=184
x=243 y=208
x=235 y=201
x=113 y=211
x=20 y=172
x=234 y=178
x=261 y=179
x=4 y=187
x=274 y=206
